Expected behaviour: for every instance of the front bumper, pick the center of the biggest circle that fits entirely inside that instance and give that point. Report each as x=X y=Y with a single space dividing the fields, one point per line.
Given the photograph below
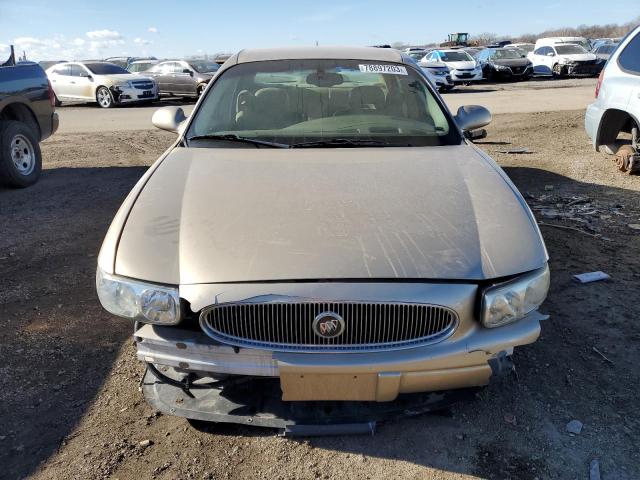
x=579 y=69
x=442 y=80
x=464 y=76
x=510 y=74
x=131 y=95
x=457 y=362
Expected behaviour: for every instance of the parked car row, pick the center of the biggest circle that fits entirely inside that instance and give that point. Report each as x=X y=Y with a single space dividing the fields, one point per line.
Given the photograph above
x=553 y=56
x=144 y=80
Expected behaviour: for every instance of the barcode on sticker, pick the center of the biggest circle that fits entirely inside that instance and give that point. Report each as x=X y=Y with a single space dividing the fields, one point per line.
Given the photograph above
x=389 y=69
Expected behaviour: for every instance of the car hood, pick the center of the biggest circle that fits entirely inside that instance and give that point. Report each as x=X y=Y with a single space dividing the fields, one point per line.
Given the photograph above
x=512 y=62
x=580 y=57
x=434 y=65
x=121 y=77
x=461 y=65
x=232 y=215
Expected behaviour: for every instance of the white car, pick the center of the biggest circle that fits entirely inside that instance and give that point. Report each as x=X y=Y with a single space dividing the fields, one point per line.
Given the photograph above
x=439 y=75
x=462 y=65
x=616 y=108
x=564 y=59
x=101 y=82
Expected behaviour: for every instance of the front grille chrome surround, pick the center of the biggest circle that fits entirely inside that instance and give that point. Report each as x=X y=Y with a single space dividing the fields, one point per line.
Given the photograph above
x=288 y=326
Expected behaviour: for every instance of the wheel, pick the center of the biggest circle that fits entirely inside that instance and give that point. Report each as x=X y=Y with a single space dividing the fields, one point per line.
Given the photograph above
x=104 y=97
x=200 y=89
x=20 y=157
x=558 y=71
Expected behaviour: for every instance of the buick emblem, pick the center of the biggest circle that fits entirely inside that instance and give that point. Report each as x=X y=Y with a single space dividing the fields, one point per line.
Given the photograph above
x=328 y=325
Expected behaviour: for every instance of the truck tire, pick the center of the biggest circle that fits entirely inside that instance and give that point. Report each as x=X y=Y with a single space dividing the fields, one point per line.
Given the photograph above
x=20 y=157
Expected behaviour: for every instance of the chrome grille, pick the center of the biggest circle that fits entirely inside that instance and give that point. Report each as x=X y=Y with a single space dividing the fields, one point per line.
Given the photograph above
x=142 y=84
x=283 y=326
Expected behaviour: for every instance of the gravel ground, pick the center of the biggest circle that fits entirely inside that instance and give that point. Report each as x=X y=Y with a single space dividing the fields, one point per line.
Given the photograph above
x=69 y=403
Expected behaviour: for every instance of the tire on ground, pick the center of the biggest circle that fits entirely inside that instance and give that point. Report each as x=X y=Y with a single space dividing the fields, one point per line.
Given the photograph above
x=19 y=142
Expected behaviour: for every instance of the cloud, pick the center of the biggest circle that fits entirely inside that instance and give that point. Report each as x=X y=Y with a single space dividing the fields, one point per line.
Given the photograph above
x=104 y=35
x=152 y=30
x=101 y=40
x=94 y=44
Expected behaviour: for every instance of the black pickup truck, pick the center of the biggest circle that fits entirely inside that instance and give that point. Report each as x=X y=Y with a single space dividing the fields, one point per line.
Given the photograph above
x=27 y=116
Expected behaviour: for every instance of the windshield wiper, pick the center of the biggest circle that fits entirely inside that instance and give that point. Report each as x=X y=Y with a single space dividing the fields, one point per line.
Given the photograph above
x=231 y=137
x=340 y=142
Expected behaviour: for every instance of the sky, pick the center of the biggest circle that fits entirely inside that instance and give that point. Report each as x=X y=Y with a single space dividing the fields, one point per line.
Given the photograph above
x=75 y=29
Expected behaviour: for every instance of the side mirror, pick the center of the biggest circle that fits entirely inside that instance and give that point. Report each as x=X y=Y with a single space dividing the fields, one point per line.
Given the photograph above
x=186 y=70
x=169 y=118
x=472 y=117
x=551 y=54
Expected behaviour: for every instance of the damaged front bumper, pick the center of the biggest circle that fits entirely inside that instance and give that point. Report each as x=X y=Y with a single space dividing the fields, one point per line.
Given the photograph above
x=466 y=361
x=122 y=95
x=586 y=70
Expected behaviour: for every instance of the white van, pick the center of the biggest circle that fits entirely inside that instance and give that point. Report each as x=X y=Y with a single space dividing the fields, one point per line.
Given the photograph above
x=551 y=41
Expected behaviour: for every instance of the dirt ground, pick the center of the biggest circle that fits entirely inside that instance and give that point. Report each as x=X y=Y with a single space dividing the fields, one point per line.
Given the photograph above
x=69 y=401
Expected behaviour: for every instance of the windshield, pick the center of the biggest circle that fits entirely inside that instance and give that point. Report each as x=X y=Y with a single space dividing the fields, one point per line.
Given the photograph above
x=104 y=68
x=526 y=48
x=140 y=67
x=458 y=56
x=507 y=54
x=569 y=49
x=298 y=101
x=202 y=66
x=417 y=56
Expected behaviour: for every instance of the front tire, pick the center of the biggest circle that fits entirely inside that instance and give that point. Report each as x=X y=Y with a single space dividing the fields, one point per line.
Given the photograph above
x=200 y=90
x=20 y=156
x=104 y=97
x=558 y=71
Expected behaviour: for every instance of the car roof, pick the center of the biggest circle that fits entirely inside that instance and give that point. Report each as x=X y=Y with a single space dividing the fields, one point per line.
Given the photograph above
x=299 y=53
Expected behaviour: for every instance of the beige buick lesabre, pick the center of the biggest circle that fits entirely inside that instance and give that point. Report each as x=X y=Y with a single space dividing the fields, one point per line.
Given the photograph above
x=322 y=221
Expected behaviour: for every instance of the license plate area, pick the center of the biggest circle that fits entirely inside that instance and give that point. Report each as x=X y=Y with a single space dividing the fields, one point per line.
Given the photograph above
x=317 y=386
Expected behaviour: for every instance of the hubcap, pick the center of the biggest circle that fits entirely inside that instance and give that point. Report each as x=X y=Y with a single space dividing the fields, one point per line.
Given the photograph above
x=23 y=155
x=104 y=98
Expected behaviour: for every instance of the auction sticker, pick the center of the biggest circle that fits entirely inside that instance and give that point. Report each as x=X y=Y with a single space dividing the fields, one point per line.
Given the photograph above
x=390 y=69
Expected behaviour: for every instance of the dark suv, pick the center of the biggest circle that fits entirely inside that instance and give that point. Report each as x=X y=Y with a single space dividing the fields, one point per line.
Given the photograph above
x=183 y=78
x=27 y=116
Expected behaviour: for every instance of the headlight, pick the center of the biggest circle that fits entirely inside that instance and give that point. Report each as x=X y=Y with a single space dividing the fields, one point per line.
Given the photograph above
x=566 y=61
x=122 y=84
x=139 y=301
x=510 y=301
